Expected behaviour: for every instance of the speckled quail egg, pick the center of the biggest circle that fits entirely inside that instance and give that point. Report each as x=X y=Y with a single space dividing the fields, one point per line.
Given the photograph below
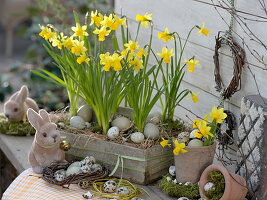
x=183 y=137
x=172 y=170
x=60 y=175
x=110 y=186
x=83 y=184
x=123 y=191
x=113 y=132
x=88 y=195
x=96 y=168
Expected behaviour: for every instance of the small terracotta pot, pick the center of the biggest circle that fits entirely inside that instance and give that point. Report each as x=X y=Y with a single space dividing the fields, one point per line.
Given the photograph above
x=191 y=164
x=235 y=185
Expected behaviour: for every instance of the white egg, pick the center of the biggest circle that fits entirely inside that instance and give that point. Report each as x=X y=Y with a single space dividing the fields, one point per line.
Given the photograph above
x=121 y=122
x=61 y=124
x=86 y=112
x=209 y=186
x=183 y=137
x=195 y=143
x=172 y=170
x=75 y=164
x=183 y=198
x=192 y=134
x=154 y=117
x=168 y=178
x=137 y=137
x=188 y=183
x=113 y=132
x=77 y=122
x=151 y=131
x=73 y=170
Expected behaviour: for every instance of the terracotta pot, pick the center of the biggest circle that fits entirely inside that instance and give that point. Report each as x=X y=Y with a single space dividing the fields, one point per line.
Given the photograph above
x=235 y=185
x=191 y=164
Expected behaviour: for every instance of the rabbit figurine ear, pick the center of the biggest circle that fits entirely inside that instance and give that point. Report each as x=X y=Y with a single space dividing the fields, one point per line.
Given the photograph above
x=34 y=118
x=44 y=115
x=22 y=94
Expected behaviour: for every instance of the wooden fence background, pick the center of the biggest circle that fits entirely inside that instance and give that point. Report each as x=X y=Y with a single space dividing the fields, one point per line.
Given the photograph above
x=180 y=16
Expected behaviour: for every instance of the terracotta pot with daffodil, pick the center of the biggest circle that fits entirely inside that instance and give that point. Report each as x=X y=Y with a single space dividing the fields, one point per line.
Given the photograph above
x=191 y=160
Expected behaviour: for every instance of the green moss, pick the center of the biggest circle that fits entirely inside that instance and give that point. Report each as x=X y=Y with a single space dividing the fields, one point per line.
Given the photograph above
x=176 y=190
x=171 y=125
x=219 y=185
x=15 y=128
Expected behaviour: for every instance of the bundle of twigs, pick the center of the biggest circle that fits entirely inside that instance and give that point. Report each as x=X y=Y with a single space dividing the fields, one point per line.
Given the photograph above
x=48 y=174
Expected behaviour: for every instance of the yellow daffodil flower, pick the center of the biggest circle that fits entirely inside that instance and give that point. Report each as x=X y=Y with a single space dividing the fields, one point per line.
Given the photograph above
x=144 y=19
x=96 y=18
x=141 y=53
x=217 y=114
x=78 y=48
x=107 y=21
x=68 y=43
x=131 y=46
x=79 y=30
x=116 y=62
x=164 y=143
x=117 y=22
x=124 y=52
x=191 y=64
x=165 y=36
x=203 y=131
x=203 y=31
x=102 y=33
x=82 y=59
x=194 y=97
x=137 y=64
x=179 y=148
x=166 y=54
x=56 y=42
x=46 y=33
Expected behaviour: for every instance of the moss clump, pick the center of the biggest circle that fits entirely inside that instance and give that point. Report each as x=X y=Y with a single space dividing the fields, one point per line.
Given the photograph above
x=176 y=190
x=15 y=128
x=172 y=125
x=217 y=179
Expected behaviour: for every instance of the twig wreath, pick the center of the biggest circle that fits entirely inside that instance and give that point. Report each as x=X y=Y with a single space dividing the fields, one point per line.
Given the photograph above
x=239 y=61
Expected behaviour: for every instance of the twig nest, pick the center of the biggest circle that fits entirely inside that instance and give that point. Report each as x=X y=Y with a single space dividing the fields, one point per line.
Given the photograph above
x=183 y=198
x=151 y=131
x=121 y=122
x=85 y=112
x=96 y=167
x=154 y=117
x=137 y=137
x=209 y=186
x=60 y=175
x=192 y=134
x=77 y=122
x=172 y=170
x=183 y=137
x=110 y=186
x=113 y=132
x=123 y=191
x=195 y=143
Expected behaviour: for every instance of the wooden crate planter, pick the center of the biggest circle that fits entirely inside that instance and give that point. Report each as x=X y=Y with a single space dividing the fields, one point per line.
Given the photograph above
x=140 y=166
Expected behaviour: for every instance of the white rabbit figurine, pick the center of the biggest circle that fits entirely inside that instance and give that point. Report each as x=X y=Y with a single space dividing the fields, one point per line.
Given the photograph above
x=16 y=107
x=46 y=145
